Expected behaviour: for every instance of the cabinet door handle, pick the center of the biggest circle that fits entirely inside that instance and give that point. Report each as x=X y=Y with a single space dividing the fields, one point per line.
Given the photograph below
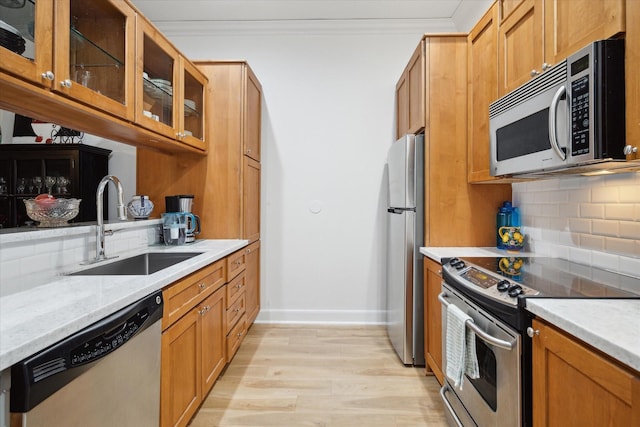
x=66 y=83
x=202 y=286
x=532 y=332
x=48 y=75
x=534 y=73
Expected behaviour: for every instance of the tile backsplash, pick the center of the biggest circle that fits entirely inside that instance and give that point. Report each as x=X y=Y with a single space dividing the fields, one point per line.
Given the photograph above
x=31 y=258
x=592 y=220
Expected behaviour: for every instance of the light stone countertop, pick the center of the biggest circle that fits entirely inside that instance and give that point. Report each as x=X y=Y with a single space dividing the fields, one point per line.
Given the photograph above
x=33 y=319
x=437 y=253
x=612 y=326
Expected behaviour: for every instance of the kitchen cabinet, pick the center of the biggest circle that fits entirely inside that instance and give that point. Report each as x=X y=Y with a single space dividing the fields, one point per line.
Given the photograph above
x=482 y=75
x=541 y=33
x=236 y=318
x=411 y=95
x=632 y=77
x=63 y=170
x=193 y=342
x=456 y=212
x=170 y=96
x=252 y=273
x=576 y=385
x=433 y=318
x=71 y=48
x=232 y=195
x=70 y=66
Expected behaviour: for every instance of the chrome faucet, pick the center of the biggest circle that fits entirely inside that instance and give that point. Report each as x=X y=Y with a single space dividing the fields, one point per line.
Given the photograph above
x=122 y=213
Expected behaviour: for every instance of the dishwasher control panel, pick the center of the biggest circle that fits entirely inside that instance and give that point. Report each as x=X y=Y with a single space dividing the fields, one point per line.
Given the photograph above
x=109 y=341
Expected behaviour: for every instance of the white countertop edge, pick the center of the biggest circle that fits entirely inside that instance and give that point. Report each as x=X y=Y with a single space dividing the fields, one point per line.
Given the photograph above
x=31 y=321
x=613 y=331
x=437 y=253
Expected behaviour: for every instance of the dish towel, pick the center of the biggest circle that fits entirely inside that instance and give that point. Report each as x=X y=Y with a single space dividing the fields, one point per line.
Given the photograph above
x=460 y=347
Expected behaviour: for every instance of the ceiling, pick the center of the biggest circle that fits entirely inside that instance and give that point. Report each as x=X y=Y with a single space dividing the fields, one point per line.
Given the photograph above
x=306 y=10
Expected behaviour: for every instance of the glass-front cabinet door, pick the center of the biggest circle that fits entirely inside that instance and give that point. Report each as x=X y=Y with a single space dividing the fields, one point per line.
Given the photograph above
x=95 y=54
x=192 y=117
x=157 y=70
x=26 y=42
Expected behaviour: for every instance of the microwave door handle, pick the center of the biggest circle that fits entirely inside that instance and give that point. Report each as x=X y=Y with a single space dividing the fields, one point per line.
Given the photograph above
x=553 y=129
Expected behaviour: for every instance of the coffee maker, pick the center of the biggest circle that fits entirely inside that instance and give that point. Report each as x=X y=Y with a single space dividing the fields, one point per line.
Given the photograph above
x=184 y=203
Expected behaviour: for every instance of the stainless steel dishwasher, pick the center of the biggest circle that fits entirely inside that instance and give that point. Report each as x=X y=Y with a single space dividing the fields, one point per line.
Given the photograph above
x=107 y=374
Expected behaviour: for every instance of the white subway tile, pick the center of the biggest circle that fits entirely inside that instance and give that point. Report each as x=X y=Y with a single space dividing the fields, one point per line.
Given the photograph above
x=605 y=228
x=630 y=229
x=578 y=225
x=550 y=210
x=620 y=246
x=569 y=210
x=580 y=255
x=604 y=260
x=17 y=251
x=588 y=210
x=625 y=211
x=605 y=195
x=592 y=242
x=630 y=193
x=582 y=195
x=630 y=266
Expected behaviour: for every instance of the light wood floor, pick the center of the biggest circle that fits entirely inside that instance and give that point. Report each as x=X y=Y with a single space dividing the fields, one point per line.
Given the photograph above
x=320 y=376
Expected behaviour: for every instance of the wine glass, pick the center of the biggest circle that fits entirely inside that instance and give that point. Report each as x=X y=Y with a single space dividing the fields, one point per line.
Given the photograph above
x=37 y=181
x=21 y=186
x=62 y=183
x=49 y=182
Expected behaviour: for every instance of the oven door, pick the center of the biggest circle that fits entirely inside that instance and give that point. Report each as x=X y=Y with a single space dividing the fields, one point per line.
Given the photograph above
x=495 y=398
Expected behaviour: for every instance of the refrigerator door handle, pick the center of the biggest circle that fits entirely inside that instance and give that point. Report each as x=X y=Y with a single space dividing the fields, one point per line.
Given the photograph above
x=400 y=210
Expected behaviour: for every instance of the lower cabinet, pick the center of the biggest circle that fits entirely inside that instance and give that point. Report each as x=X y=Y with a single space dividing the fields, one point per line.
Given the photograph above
x=236 y=318
x=576 y=385
x=252 y=291
x=193 y=342
x=433 y=318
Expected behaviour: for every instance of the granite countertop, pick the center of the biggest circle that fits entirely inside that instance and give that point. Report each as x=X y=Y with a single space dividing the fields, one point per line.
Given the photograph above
x=610 y=325
x=36 y=318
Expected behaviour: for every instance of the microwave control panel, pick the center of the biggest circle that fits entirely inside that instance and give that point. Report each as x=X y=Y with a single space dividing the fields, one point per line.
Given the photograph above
x=580 y=116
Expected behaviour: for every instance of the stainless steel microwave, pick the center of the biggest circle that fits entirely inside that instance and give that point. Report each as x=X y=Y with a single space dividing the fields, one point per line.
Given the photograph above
x=572 y=115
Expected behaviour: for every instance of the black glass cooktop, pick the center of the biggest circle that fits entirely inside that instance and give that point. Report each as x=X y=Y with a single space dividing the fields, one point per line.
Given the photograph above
x=554 y=277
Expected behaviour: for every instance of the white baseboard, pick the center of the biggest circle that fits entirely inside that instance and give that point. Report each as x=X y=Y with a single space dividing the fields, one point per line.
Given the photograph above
x=343 y=317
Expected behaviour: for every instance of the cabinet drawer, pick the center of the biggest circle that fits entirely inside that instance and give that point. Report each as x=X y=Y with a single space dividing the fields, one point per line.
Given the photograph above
x=235 y=264
x=235 y=312
x=235 y=337
x=235 y=288
x=182 y=295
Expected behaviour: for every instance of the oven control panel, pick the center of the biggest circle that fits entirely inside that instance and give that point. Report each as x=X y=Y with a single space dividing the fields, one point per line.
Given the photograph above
x=487 y=283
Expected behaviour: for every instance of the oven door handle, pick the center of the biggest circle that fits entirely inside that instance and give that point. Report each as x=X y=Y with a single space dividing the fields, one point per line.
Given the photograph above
x=490 y=339
x=445 y=388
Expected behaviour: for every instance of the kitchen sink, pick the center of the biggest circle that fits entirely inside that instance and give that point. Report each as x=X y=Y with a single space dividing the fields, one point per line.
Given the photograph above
x=138 y=265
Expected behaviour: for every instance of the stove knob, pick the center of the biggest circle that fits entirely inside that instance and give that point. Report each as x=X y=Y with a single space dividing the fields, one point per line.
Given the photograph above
x=503 y=285
x=453 y=261
x=515 y=290
x=460 y=265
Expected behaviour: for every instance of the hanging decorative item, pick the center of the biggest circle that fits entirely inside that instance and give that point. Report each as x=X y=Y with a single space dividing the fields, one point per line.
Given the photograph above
x=63 y=135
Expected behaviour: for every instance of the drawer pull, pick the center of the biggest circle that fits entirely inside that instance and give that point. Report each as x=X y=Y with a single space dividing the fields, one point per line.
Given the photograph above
x=238 y=286
x=202 y=285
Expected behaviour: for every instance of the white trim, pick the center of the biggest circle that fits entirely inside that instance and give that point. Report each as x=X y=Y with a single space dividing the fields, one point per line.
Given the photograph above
x=346 y=317
x=327 y=27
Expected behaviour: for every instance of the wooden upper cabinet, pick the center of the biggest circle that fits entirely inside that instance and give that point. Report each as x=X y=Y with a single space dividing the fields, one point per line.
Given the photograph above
x=411 y=94
x=538 y=34
x=575 y=385
x=632 y=77
x=253 y=115
x=91 y=63
x=482 y=76
x=33 y=58
x=520 y=45
x=571 y=25
x=170 y=94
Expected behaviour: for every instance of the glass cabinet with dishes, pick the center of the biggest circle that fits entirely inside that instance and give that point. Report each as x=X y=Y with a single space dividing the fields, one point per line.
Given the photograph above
x=170 y=98
x=62 y=170
x=80 y=49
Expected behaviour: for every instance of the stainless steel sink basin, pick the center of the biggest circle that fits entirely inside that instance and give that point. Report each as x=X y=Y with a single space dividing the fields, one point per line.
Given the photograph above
x=138 y=265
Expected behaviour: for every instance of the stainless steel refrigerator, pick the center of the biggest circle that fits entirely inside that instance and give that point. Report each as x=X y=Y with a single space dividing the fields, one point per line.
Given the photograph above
x=405 y=231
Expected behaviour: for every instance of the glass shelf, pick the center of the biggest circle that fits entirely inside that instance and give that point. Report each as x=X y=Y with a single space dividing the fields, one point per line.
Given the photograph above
x=100 y=57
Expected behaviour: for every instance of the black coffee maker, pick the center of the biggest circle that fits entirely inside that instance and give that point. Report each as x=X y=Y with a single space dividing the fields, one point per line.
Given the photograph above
x=184 y=203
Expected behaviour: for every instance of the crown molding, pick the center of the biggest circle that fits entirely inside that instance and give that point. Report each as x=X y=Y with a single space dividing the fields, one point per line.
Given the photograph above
x=306 y=27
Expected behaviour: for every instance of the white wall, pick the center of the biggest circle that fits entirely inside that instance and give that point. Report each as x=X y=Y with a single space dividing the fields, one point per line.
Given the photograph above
x=328 y=119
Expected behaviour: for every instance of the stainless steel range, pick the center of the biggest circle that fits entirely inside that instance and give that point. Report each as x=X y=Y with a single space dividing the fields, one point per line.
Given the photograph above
x=493 y=291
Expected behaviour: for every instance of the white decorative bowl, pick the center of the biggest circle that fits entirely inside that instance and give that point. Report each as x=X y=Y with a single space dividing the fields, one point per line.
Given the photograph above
x=52 y=213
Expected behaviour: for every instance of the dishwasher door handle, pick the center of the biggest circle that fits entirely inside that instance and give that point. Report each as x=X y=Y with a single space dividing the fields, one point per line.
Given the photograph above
x=490 y=339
